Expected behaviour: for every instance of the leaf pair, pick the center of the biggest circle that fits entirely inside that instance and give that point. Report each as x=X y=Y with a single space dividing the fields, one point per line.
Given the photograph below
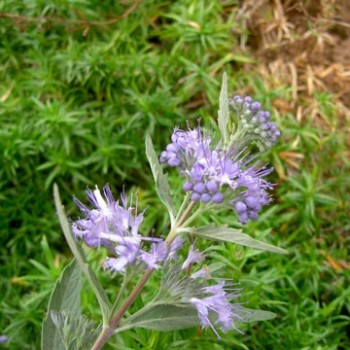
x=65 y=327
x=81 y=258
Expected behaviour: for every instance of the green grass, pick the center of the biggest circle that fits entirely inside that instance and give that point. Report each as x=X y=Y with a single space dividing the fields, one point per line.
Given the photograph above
x=76 y=104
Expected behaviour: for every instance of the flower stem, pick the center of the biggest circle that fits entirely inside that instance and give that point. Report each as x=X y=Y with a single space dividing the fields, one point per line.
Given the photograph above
x=108 y=331
x=178 y=224
x=113 y=324
x=183 y=206
x=120 y=293
x=186 y=213
x=198 y=212
x=135 y=292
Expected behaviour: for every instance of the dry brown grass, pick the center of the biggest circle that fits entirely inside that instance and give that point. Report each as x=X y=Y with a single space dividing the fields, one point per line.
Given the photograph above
x=304 y=46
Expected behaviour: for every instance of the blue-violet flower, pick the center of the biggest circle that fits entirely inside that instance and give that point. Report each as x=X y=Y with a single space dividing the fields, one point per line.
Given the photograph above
x=214 y=305
x=116 y=227
x=221 y=174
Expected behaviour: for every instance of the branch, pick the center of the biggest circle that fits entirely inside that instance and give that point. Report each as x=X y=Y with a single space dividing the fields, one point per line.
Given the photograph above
x=64 y=21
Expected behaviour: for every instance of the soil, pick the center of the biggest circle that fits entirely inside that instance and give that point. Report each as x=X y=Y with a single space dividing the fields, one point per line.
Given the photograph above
x=305 y=44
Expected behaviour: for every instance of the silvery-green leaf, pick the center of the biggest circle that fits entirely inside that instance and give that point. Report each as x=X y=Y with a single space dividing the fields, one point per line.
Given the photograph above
x=65 y=296
x=75 y=330
x=226 y=234
x=223 y=113
x=250 y=315
x=81 y=258
x=164 y=317
x=161 y=180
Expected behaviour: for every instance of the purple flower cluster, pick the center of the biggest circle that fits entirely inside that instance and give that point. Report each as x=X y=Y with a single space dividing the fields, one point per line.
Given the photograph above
x=255 y=123
x=204 y=167
x=212 y=302
x=217 y=174
x=116 y=227
x=248 y=203
x=215 y=304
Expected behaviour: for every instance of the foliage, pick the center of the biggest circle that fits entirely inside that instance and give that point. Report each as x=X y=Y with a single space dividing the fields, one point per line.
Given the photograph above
x=76 y=102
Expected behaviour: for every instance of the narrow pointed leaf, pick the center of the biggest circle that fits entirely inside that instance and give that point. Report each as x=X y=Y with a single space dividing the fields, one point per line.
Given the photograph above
x=81 y=258
x=223 y=113
x=164 y=317
x=250 y=315
x=161 y=180
x=65 y=296
x=226 y=234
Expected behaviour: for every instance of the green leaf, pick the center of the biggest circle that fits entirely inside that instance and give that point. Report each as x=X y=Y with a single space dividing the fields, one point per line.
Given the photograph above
x=223 y=113
x=162 y=183
x=65 y=296
x=226 y=234
x=164 y=317
x=81 y=258
x=250 y=315
x=75 y=330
